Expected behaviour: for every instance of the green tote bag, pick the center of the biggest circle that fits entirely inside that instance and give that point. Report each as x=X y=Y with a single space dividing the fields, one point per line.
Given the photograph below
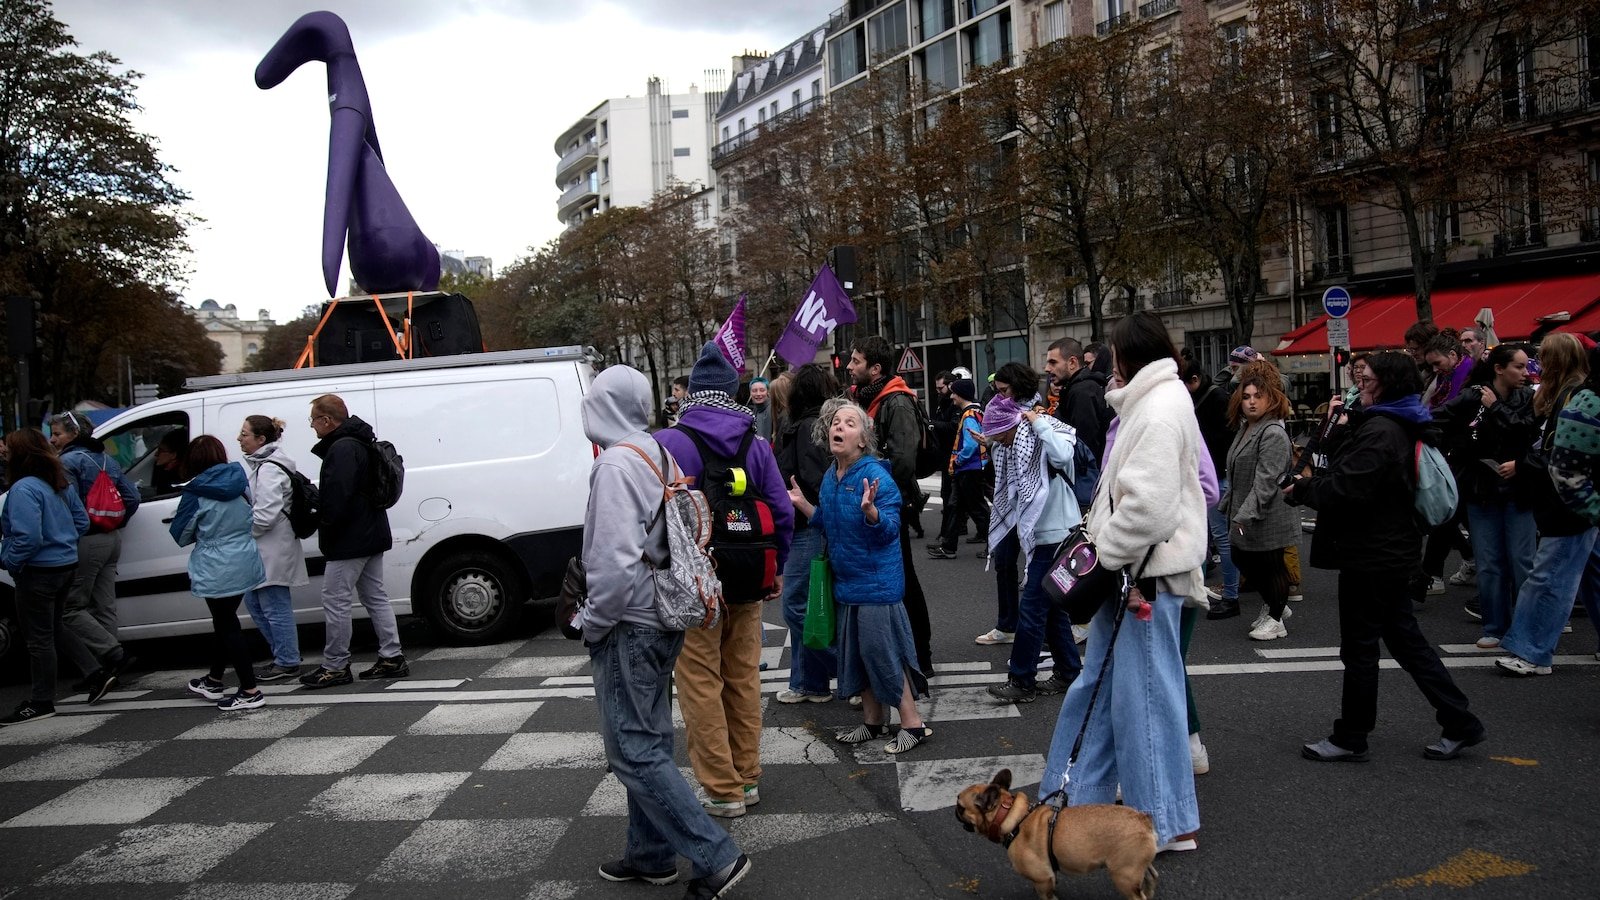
x=819 y=606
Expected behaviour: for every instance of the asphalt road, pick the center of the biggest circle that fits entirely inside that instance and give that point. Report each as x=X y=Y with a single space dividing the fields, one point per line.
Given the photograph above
x=482 y=773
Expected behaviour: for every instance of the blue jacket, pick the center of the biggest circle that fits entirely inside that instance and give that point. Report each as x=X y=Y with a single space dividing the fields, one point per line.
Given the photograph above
x=865 y=558
x=215 y=515
x=84 y=458
x=40 y=527
x=968 y=454
x=722 y=430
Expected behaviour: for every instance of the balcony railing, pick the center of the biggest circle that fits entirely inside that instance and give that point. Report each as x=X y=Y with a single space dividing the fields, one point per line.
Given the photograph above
x=1520 y=237
x=750 y=134
x=1156 y=8
x=1331 y=267
x=1550 y=98
x=1172 y=298
x=574 y=194
x=586 y=148
x=1112 y=24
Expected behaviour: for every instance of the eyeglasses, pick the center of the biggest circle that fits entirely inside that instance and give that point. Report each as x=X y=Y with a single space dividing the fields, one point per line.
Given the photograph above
x=313 y=419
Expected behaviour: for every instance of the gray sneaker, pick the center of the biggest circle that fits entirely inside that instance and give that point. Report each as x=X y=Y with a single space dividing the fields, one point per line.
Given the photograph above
x=1011 y=692
x=1055 y=684
x=275 y=672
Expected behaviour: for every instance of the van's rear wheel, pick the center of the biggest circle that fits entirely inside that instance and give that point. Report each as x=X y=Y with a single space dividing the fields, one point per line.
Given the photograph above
x=473 y=596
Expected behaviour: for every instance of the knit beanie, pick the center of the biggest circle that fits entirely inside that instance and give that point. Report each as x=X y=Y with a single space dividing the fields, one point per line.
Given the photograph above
x=1001 y=415
x=713 y=372
x=964 y=388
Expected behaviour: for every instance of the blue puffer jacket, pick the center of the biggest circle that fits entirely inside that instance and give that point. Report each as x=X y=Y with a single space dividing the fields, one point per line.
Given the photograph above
x=865 y=558
x=215 y=516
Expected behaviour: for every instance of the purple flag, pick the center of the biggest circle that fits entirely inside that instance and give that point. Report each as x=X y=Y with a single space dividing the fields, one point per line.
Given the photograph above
x=730 y=337
x=825 y=307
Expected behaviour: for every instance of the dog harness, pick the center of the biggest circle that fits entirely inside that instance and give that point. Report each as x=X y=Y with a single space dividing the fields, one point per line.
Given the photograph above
x=1005 y=840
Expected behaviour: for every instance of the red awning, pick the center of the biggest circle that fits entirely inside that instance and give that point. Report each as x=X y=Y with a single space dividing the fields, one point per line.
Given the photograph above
x=1382 y=321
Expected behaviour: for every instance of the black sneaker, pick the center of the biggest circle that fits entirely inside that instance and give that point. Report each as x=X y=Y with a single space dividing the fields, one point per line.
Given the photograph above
x=275 y=672
x=28 y=712
x=205 y=687
x=621 y=871
x=1011 y=692
x=1056 y=684
x=978 y=539
x=124 y=663
x=941 y=553
x=388 y=667
x=713 y=886
x=325 y=678
x=104 y=681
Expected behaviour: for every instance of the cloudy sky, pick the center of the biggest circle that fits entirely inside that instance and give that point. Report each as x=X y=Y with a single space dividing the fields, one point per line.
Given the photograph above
x=468 y=98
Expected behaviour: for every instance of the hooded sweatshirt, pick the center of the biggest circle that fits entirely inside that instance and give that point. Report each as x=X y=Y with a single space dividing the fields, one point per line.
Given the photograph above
x=723 y=429
x=624 y=535
x=215 y=516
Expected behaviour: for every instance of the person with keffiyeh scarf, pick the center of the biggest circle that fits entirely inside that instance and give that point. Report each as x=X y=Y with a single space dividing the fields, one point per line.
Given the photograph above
x=1033 y=510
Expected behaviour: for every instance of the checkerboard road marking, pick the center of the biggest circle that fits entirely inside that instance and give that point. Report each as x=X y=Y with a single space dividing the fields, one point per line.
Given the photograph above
x=311 y=756
x=108 y=801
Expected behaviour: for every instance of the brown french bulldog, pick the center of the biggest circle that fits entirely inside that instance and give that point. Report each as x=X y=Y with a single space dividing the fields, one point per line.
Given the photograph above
x=1086 y=837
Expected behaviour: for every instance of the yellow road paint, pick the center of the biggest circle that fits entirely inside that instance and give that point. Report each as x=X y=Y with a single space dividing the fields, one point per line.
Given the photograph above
x=1515 y=760
x=1465 y=870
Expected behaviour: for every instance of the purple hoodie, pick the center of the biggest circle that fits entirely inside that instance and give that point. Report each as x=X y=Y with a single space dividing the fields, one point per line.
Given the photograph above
x=722 y=430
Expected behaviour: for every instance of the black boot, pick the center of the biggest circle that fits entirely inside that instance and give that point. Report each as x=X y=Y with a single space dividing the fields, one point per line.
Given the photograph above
x=1223 y=609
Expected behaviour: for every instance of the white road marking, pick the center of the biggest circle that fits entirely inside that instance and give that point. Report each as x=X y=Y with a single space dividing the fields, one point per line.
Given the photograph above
x=1471 y=648
x=966 y=704
x=110 y=695
x=537 y=666
x=483 y=718
x=436 y=685
x=492 y=651
x=75 y=762
x=385 y=798
x=549 y=750
x=1296 y=652
x=259 y=723
x=767 y=831
x=452 y=850
x=933 y=784
x=311 y=756
x=62 y=727
x=216 y=890
x=108 y=801
x=176 y=854
x=610 y=798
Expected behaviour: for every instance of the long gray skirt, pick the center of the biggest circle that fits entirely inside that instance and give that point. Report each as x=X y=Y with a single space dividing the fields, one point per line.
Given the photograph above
x=876 y=651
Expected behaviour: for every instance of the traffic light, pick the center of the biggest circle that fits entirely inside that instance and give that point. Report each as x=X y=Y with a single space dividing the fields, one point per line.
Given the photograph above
x=838 y=362
x=1341 y=357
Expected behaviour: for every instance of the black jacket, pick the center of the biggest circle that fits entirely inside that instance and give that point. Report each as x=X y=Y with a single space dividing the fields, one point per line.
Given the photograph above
x=1503 y=432
x=803 y=458
x=352 y=527
x=1211 y=411
x=1083 y=406
x=1366 y=518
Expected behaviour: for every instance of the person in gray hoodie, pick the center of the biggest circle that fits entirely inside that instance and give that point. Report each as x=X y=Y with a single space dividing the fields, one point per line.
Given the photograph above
x=632 y=653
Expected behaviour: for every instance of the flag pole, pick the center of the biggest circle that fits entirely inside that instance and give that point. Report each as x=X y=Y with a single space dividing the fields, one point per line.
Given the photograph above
x=770 y=357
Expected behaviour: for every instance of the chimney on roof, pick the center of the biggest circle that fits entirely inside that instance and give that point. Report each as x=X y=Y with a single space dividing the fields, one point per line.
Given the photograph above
x=747 y=59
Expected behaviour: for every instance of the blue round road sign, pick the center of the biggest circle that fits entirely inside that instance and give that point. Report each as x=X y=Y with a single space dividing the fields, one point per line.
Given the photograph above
x=1336 y=301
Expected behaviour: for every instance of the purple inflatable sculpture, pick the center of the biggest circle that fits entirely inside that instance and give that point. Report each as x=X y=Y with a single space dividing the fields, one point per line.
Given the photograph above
x=388 y=252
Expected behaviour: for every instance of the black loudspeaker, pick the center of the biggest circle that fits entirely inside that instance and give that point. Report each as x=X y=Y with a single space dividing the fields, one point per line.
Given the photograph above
x=445 y=326
x=354 y=332
x=844 y=266
x=20 y=337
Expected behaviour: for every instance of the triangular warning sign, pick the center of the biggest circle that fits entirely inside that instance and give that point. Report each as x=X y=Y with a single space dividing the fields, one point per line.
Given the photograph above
x=910 y=362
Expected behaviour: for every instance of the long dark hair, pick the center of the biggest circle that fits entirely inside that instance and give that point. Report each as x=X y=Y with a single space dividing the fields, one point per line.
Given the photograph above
x=1483 y=370
x=29 y=453
x=1139 y=339
x=813 y=385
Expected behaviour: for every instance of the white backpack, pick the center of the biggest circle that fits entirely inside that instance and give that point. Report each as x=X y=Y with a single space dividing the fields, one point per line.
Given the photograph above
x=688 y=592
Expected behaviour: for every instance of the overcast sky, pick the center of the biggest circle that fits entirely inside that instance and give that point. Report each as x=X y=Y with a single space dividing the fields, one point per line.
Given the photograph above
x=468 y=98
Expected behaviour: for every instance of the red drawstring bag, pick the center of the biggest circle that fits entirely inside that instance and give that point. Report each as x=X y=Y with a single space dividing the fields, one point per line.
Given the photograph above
x=104 y=503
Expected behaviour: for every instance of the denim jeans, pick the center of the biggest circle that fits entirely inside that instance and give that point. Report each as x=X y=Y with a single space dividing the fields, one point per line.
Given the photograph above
x=1589 y=589
x=1217 y=519
x=342 y=581
x=1038 y=621
x=809 y=670
x=272 y=609
x=1006 y=578
x=41 y=597
x=632 y=668
x=1503 y=539
x=1138 y=736
x=1545 y=603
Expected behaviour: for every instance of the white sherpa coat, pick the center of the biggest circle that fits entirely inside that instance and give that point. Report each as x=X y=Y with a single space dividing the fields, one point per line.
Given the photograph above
x=1151 y=484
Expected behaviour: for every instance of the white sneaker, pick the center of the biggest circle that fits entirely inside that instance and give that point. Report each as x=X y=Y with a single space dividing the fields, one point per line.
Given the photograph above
x=1179 y=844
x=1465 y=576
x=1270 y=630
x=1435 y=586
x=801 y=697
x=1488 y=643
x=1516 y=665
x=994 y=636
x=1080 y=633
x=1198 y=756
x=1266 y=613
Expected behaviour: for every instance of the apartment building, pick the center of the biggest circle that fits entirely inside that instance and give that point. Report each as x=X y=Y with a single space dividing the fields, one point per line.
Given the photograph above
x=626 y=150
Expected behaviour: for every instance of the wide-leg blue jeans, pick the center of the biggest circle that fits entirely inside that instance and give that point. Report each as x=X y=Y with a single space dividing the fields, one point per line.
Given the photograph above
x=1545 y=603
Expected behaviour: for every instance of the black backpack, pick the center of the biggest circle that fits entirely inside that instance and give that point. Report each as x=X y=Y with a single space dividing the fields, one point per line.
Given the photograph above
x=388 y=475
x=304 y=507
x=743 y=534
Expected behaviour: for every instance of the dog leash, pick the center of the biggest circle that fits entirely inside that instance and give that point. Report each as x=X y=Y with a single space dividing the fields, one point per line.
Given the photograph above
x=1105 y=666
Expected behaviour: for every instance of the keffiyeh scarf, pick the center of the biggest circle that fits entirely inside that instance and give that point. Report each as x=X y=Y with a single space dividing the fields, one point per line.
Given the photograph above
x=1022 y=484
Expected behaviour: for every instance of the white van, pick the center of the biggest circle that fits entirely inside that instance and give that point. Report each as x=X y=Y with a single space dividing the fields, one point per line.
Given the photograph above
x=497 y=478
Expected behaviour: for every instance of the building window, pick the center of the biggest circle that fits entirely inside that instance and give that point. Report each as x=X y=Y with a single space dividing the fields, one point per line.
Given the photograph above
x=1524 y=212
x=1434 y=90
x=605 y=169
x=989 y=44
x=816 y=87
x=1234 y=34
x=847 y=55
x=252 y=347
x=974 y=7
x=1333 y=240
x=887 y=33
x=1443 y=217
x=680 y=151
x=680 y=114
x=794 y=98
x=1209 y=348
x=934 y=17
x=1329 y=125
x=939 y=66
x=774 y=109
x=1514 y=56
x=724 y=132
x=1053 y=25
x=761 y=116
x=605 y=132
